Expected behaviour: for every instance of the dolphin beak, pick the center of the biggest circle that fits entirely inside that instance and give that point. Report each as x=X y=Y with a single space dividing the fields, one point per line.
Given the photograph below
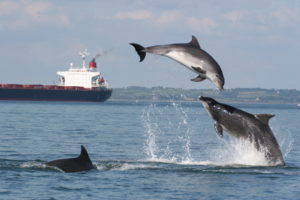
x=201 y=98
x=220 y=88
x=204 y=103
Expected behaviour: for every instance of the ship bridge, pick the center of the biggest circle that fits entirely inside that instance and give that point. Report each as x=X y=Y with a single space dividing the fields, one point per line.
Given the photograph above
x=86 y=77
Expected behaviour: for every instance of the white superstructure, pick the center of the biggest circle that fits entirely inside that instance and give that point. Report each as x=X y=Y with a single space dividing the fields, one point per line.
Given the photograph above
x=87 y=77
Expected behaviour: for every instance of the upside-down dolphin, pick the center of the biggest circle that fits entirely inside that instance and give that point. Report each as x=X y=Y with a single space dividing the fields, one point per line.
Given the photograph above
x=80 y=163
x=241 y=124
x=192 y=56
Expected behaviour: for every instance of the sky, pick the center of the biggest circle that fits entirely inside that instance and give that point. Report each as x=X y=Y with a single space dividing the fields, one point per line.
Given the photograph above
x=256 y=42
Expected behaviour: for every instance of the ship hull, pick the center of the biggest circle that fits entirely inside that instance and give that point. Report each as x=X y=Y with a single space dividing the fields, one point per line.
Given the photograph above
x=94 y=95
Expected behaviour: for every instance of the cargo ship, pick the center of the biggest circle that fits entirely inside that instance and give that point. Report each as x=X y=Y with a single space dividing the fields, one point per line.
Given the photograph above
x=77 y=84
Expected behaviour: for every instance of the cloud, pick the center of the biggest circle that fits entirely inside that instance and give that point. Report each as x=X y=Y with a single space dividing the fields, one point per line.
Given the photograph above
x=168 y=17
x=286 y=16
x=165 y=17
x=25 y=13
x=36 y=9
x=134 y=15
x=233 y=17
x=263 y=20
x=202 y=25
x=8 y=7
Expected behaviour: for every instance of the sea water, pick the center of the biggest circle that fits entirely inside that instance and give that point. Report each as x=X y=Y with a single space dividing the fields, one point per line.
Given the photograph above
x=141 y=151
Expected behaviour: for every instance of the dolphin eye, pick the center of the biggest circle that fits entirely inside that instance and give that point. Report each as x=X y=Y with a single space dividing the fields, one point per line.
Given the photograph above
x=211 y=102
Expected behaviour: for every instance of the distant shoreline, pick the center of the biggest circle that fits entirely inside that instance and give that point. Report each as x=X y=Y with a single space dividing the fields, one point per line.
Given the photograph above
x=237 y=95
x=185 y=101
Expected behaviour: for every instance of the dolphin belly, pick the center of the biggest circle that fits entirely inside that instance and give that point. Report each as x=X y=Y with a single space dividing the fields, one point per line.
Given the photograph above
x=187 y=60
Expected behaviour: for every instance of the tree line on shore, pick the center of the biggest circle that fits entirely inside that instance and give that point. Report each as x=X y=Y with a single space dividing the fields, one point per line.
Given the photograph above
x=254 y=95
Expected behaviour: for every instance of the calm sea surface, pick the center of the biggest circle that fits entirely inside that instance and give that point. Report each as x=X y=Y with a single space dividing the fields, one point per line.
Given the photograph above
x=141 y=151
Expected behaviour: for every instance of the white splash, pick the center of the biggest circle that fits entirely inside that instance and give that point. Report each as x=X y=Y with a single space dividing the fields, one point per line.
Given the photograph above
x=186 y=137
x=33 y=164
x=285 y=140
x=38 y=165
x=168 y=140
x=151 y=130
x=126 y=167
x=123 y=166
x=238 y=152
x=171 y=122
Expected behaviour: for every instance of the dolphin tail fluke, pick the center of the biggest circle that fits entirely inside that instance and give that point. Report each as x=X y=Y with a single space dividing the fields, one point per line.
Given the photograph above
x=140 y=51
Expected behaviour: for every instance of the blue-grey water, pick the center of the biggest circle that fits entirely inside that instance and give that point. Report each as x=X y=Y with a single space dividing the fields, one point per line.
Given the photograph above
x=141 y=151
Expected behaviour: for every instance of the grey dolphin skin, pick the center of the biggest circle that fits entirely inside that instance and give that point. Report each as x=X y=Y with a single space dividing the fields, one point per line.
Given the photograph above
x=241 y=124
x=81 y=163
x=192 y=56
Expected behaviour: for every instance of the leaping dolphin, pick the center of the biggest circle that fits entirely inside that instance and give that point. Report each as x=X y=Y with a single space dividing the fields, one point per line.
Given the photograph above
x=81 y=163
x=192 y=56
x=241 y=124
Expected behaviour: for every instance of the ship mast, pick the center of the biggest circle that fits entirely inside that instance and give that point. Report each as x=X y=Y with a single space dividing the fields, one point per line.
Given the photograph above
x=83 y=55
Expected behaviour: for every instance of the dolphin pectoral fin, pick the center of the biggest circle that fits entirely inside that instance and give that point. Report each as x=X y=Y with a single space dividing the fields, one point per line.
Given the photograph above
x=198 y=79
x=140 y=50
x=218 y=129
x=254 y=140
x=199 y=70
x=194 y=42
x=264 y=117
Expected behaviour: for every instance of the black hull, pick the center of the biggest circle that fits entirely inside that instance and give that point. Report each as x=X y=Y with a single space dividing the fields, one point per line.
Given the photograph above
x=95 y=95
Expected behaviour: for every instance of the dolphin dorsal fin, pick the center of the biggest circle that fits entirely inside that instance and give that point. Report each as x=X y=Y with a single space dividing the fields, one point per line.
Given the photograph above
x=194 y=42
x=264 y=117
x=84 y=154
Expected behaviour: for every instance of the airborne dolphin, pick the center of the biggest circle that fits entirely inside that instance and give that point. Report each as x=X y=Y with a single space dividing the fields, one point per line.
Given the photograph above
x=190 y=55
x=241 y=124
x=81 y=163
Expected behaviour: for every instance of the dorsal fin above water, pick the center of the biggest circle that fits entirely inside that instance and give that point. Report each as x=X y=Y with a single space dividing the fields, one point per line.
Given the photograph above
x=194 y=42
x=264 y=117
x=84 y=154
